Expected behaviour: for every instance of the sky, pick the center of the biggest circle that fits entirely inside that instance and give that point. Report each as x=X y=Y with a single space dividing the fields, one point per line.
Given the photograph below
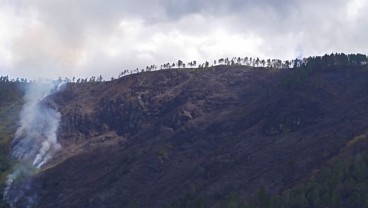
x=84 y=38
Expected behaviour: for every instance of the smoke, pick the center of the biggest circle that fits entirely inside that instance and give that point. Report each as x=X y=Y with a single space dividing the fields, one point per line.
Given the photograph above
x=34 y=143
x=299 y=52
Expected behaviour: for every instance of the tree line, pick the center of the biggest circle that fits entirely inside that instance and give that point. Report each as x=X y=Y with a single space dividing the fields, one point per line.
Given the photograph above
x=314 y=62
x=317 y=62
x=60 y=79
x=334 y=60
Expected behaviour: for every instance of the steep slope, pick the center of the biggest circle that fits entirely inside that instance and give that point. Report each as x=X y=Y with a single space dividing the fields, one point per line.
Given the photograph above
x=10 y=104
x=159 y=139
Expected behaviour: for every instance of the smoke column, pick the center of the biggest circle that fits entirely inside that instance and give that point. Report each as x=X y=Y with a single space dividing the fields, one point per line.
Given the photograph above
x=34 y=143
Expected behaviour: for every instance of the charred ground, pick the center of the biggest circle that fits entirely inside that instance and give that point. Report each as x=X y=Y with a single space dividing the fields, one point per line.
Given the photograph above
x=221 y=136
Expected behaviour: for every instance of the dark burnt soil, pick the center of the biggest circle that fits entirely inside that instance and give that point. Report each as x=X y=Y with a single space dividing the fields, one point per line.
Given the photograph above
x=152 y=139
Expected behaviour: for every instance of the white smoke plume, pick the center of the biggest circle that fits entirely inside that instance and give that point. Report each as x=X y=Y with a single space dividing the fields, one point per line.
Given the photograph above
x=34 y=143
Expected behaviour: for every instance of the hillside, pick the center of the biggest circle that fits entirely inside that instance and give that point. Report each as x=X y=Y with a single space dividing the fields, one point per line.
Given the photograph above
x=224 y=136
x=10 y=104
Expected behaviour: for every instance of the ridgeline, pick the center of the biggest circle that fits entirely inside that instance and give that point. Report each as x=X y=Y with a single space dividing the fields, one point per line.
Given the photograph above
x=231 y=135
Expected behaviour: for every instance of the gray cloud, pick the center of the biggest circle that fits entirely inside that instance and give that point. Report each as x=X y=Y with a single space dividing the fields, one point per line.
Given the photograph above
x=84 y=38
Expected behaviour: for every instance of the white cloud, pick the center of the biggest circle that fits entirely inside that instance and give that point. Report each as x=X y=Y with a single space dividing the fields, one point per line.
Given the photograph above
x=12 y=25
x=85 y=38
x=354 y=7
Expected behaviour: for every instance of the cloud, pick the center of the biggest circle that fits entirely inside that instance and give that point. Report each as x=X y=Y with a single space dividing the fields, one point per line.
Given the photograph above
x=85 y=38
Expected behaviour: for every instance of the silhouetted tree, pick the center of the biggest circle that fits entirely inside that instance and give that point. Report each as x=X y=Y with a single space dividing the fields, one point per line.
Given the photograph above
x=99 y=79
x=207 y=64
x=180 y=63
x=221 y=61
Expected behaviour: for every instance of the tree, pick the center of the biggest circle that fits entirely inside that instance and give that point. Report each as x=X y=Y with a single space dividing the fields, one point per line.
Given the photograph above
x=246 y=61
x=287 y=64
x=263 y=62
x=269 y=63
x=361 y=58
x=221 y=61
x=238 y=61
x=207 y=64
x=342 y=59
x=297 y=63
x=227 y=62
x=257 y=61
x=180 y=63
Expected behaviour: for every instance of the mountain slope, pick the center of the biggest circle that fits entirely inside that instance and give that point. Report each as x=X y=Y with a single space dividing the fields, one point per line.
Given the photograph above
x=10 y=106
x=191 y=137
